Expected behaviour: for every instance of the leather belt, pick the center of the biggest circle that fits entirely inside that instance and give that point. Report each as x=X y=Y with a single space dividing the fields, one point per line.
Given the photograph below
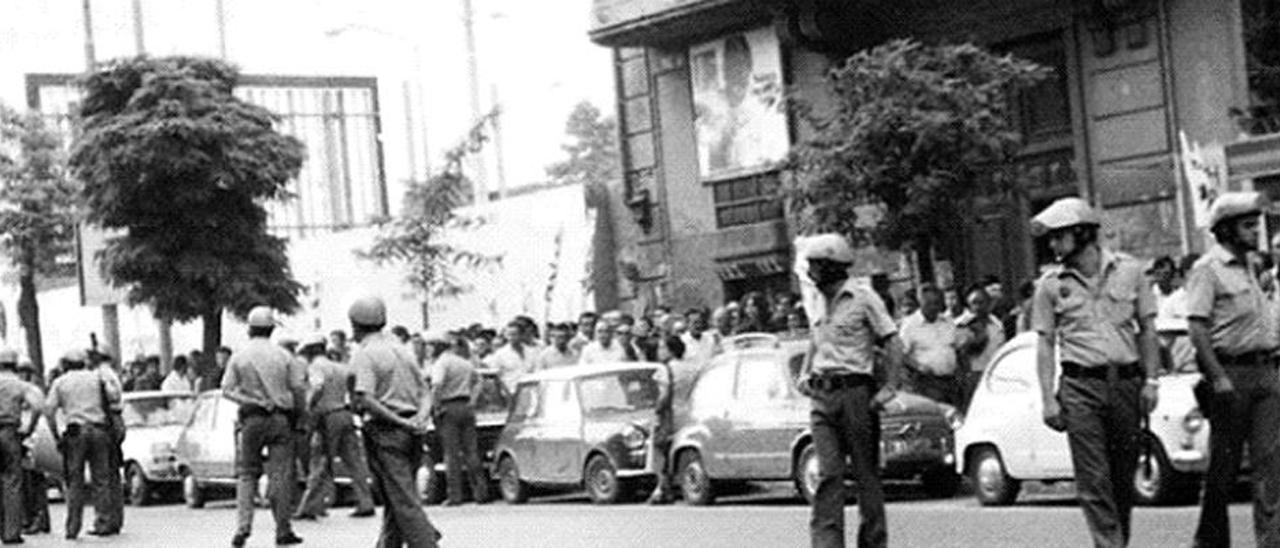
x=837 y=381
x=1122 y=371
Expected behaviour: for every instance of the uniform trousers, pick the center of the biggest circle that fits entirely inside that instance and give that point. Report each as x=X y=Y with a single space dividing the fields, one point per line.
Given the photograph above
x=85 y=444
x=113 y=519
x=272 y=432
x=843 y=423
x=10 y=482
x=456 y=423
x=1104 y=434
x=395 y=455
x=1251 y=413
x=35 y=498
x=335 y=437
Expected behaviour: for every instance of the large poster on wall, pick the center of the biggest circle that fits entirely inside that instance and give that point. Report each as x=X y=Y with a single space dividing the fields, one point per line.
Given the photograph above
x=737 y=81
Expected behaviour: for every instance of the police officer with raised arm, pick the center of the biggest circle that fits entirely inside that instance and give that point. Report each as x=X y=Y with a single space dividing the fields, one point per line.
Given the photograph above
x=1095 y=306
x=1235 y=341
x=16 y=397
x=394 y=394
x=840 y=379
x=269 y=386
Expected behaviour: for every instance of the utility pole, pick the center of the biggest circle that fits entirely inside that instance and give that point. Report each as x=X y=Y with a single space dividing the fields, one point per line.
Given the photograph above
x=110 y=312
x=139 y=42
x=222 y=29
x=497 y=142
x=473 y=73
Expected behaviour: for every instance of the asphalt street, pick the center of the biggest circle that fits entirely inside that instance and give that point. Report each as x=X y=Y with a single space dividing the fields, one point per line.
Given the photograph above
x=769 y=518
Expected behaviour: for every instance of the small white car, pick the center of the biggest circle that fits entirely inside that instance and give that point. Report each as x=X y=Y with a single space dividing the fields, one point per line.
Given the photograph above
x=1004 y=440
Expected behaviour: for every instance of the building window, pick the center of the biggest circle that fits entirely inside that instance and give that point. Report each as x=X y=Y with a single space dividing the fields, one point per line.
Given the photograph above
x=747 y=200
x=1044 y=111
x=637 y=126
x=737 y=82
x=341 y=184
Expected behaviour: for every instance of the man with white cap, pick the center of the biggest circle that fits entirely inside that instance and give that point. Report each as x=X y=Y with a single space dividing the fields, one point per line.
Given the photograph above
x=1096 y=308
x=839 y=377
x=1235 y=340
x=16 y=397
x=270 y=388
x=455 y=386
x=394 y=394
x=334 y=431
x=83 y=399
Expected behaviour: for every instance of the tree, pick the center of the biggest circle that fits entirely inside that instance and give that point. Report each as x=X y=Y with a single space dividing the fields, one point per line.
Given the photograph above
x=592 y=149
x=914 y=131
x=430 y=208
x=37 y=212
x=183 y=166
x=593 y=161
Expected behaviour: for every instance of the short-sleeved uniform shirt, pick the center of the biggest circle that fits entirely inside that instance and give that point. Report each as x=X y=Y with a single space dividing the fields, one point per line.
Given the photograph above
x=1096 y=321
x=453 y=377
x=845 y=337
x=386 y=371
x=16 y=396
x=265 y=374
x=79 y=394
x=328 y=379
x=1222 y=289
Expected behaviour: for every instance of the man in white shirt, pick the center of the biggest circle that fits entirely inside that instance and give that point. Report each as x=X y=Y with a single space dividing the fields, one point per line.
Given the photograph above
x=514 y=359
x=176 y=380
x=980 y=336
x=700 y=345
x=603 y=349
x=930 y=341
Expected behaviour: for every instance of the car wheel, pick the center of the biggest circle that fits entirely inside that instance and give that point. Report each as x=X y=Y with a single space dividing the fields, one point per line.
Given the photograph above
x=695 y=484
x=806 y=473
x=137 y=489
x=991 y=482
x=192 y=491
x=941 y=482
x=1155 y=482
x=514 y=490
x=601 y=481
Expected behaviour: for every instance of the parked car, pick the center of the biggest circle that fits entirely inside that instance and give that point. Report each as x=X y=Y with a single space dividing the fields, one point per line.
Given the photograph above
x=154 y=420
x=580 y=426
x=206 y=453
x=747 y=422
x=1005 y=442
x=491 y=415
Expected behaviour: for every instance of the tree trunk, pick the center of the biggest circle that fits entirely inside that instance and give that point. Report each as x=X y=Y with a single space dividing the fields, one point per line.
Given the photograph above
x=212 y=323
x=29 y=313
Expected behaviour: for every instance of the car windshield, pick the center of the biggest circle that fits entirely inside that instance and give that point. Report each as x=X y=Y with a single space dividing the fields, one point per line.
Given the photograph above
x=618 y=392
x=160 y=411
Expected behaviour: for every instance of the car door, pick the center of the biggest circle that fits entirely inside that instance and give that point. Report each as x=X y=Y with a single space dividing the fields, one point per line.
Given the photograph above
x=194 y=443
x=523 y=434
x=1029 y=448
x=709 y=403
x=560 y=432
x=758 y=417
x=222 y=439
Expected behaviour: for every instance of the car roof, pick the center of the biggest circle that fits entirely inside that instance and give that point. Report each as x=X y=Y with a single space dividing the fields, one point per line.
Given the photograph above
x=149 y=394
x=576 y=371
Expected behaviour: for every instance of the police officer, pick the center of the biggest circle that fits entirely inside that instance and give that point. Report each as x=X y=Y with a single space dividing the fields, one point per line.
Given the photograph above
x=35 y=486
x=392 y=390
x=335 y=431
x=79 y=394
x=111 y=522
x=1097 y=308
x=1234 y=340
x=270 y=389
x=16 y=396
x=454 y=387
x=839 y=376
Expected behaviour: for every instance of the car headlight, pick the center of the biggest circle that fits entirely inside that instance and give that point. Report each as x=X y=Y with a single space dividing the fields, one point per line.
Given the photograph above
x=634 y=437
x=954 y=418
x=1194 y=421
x=162 y=452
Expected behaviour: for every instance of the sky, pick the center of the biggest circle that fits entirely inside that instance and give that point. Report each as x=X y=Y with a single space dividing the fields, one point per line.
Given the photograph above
x=534 y=57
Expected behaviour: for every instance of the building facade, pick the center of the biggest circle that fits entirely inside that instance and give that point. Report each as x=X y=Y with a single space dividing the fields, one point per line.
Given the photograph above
x=1132 y=81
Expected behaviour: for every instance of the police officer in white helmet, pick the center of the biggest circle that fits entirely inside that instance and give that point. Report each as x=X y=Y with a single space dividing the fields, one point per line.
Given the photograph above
x=1235 y=342
x=1095 y=306
x=393 y=392
x=839 y=377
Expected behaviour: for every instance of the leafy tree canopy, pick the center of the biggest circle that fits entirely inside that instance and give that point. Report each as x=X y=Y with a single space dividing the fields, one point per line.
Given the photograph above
x=592 y=148
x=912 y=129
x=172 y=157
x=37 y=198
x=415 y=238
